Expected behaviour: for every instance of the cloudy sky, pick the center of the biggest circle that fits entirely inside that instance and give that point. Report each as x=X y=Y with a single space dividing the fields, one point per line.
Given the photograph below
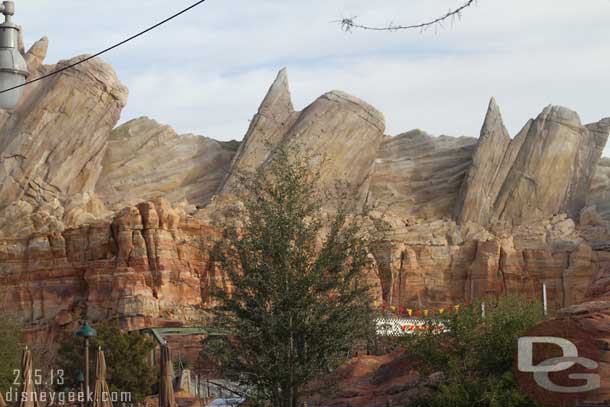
x=207 y=71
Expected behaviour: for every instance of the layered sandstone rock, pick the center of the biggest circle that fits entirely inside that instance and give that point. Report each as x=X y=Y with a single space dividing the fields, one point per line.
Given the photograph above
x=546 y=170
x=556 y=144
x=599 y=192
x=340 y=132
x=417 y=175
x=94 y=222
x=589 y=322
x=493 y=157
x=267 y=128
x=434 y=264
x=146 y=160
x=152 y=262
x=53 y=142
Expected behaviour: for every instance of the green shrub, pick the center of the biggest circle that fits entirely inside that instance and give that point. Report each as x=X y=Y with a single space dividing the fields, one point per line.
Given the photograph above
x=127 y=358
x=476 y=354
x=10 y=352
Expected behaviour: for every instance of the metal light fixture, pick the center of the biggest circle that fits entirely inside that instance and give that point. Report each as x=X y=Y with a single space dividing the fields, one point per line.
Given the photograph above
x=13 y=68
x=85 y=331
x=80 y=377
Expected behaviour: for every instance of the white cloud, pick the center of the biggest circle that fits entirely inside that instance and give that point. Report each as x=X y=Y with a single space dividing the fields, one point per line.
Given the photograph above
x=207 y=71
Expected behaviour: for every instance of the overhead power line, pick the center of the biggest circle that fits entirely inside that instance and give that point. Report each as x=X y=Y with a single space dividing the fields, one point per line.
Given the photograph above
x=65 y=68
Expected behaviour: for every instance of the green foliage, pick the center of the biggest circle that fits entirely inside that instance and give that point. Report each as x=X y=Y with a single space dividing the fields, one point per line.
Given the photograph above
x=127 y=359
x=10 y=352
x=297 y=308
x=476 y=354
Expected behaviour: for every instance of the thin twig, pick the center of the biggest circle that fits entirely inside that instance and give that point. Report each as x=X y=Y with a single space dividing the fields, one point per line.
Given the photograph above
x=348 y=24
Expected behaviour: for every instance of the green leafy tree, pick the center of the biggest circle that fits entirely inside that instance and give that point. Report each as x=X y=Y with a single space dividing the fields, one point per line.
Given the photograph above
x=10 y=352
x=476 y=354
x=127 y=358
x=297 y=307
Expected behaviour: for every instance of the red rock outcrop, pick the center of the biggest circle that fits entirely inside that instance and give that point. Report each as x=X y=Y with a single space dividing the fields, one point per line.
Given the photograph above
x=150 y=263
x=374 y=381
x=65 y=254
x=456 y=264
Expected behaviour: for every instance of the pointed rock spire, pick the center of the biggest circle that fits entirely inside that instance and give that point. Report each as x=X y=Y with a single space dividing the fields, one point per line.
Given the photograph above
x=278 y=102
x=275 y=115
x=482 y=184
x=493 y=126
x=37 y=53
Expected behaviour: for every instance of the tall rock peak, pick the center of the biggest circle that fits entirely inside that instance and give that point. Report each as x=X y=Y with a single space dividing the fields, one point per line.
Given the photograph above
x=336 y=125
x=484 y=178
x=561 y=115
x=545 y=170
x=275 y=115
x=278 y=96
x=554 y=168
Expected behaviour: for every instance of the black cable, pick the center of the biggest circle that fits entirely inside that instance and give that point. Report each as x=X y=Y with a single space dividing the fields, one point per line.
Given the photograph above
x=104 y=51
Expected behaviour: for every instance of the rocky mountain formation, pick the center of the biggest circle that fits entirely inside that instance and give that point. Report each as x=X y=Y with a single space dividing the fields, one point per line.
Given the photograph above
x=104 y=221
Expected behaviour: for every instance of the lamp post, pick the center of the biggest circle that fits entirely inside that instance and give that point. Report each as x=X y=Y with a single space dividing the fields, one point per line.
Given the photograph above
x=86 y=332
x=80 y=378
x=13 y=68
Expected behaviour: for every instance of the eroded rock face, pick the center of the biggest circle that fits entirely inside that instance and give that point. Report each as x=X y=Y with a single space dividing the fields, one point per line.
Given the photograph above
x=435 y=264
x=146 y=160
x=52 y=144
x=417 y=175
x=267 y=128
x=97 y=222
x=339 y=131
x=545 y=170
x=151 y=263
x=490 y=164
x=599 y=192
x=555 y=144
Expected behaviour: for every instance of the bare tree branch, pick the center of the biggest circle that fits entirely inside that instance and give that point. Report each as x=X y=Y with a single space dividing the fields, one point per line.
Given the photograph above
x=348 y=24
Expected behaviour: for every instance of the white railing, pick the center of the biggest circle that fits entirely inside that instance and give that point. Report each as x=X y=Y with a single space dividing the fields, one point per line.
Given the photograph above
x=396 y=326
